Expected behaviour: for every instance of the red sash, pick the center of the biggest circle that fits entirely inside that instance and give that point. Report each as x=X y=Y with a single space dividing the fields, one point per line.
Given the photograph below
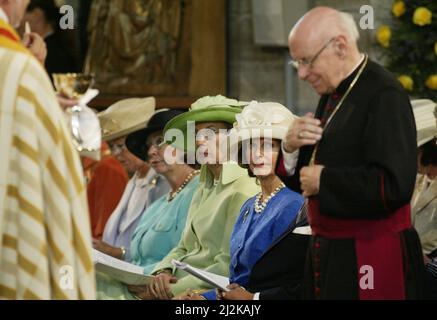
x=6 y=33
x=377 y=244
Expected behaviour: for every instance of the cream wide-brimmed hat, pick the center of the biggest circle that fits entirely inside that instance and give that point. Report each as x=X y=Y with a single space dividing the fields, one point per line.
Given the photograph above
x=425 y=120
x=125 y=117
x=263 y=119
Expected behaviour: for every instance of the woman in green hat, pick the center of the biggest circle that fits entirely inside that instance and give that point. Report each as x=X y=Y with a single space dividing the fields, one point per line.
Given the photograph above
x=269 y=226
x=224 y=187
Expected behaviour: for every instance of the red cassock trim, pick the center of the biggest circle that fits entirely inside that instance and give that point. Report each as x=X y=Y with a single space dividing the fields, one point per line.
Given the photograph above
x=383 y=193
x=280 y=170
x=377 y=244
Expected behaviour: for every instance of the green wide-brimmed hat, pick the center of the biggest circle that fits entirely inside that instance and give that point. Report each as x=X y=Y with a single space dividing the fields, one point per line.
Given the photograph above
x=206 y=109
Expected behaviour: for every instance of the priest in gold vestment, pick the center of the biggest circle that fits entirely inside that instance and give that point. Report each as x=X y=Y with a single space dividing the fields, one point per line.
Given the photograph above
x=45 y=241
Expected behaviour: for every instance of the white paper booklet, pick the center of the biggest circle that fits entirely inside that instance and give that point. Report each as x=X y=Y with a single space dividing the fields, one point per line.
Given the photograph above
x=214 y=280
x=122 y=271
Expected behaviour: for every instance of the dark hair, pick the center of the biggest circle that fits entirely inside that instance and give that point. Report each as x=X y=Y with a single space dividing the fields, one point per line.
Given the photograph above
x=50 y=9
x=229 y=126
x=429 y=153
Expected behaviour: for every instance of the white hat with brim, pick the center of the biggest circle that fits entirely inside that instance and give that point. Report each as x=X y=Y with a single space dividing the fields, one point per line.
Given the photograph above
x=125 y=117
x=425 y=120
x=263 y=120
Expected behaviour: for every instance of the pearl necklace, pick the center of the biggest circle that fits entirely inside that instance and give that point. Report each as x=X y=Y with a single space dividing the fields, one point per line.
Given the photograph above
x=260 y=207
x=173 y=194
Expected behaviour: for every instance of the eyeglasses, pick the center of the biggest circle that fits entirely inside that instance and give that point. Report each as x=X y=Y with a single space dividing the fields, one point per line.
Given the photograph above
x=209 y=131
x=157 y=142
x=310 y=62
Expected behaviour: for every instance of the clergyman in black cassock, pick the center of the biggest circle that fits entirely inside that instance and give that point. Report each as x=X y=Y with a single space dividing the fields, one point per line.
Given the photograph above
x=359 y=175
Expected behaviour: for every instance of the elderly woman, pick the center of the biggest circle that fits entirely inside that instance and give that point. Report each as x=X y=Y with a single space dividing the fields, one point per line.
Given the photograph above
x=145 y=187
x=161 y=225
x=266 y=230
x=224 y=188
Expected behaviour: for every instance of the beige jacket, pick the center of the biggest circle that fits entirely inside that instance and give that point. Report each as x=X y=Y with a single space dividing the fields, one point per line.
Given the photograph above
x=424 y=215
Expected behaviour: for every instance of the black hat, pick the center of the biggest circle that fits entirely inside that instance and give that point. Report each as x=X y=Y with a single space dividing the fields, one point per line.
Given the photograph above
x=49 y=8
x=136 y=142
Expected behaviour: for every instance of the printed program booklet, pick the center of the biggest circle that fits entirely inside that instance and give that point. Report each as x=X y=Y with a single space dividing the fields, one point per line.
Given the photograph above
x=122 y=271
x=214 y=280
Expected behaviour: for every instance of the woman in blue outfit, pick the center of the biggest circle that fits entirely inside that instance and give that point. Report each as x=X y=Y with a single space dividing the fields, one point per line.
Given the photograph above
x=267 y=217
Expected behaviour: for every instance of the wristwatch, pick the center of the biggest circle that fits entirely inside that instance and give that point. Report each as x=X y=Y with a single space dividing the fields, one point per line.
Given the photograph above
x=123 y=252
x=162 y=271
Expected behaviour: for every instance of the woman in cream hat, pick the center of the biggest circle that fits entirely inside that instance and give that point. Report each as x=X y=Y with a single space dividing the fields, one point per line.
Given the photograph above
x=256 y=240
x=120 y=120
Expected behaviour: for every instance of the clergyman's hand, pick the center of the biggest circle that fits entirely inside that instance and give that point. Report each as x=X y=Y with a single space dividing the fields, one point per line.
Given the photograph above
x=310 y=180
x=304 y=131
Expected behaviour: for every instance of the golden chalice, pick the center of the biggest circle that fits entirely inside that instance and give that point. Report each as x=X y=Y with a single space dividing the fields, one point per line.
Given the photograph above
x=72 y=85
x=83 y=121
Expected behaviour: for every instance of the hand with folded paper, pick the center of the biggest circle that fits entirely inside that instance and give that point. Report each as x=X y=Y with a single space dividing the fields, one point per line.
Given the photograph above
x=212 y=279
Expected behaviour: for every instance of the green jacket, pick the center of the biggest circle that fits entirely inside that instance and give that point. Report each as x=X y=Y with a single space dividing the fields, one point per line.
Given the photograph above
x=211 y=219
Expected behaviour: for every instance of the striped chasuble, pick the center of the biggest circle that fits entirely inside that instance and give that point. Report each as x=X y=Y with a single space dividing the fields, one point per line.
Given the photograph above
x=45 y=241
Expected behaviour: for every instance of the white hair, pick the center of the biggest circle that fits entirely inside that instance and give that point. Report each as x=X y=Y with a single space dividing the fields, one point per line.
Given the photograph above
x=349 y=25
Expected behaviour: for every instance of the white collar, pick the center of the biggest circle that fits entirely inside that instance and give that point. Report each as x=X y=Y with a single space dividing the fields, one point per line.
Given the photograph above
x=363 y=56
x=3 y=15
